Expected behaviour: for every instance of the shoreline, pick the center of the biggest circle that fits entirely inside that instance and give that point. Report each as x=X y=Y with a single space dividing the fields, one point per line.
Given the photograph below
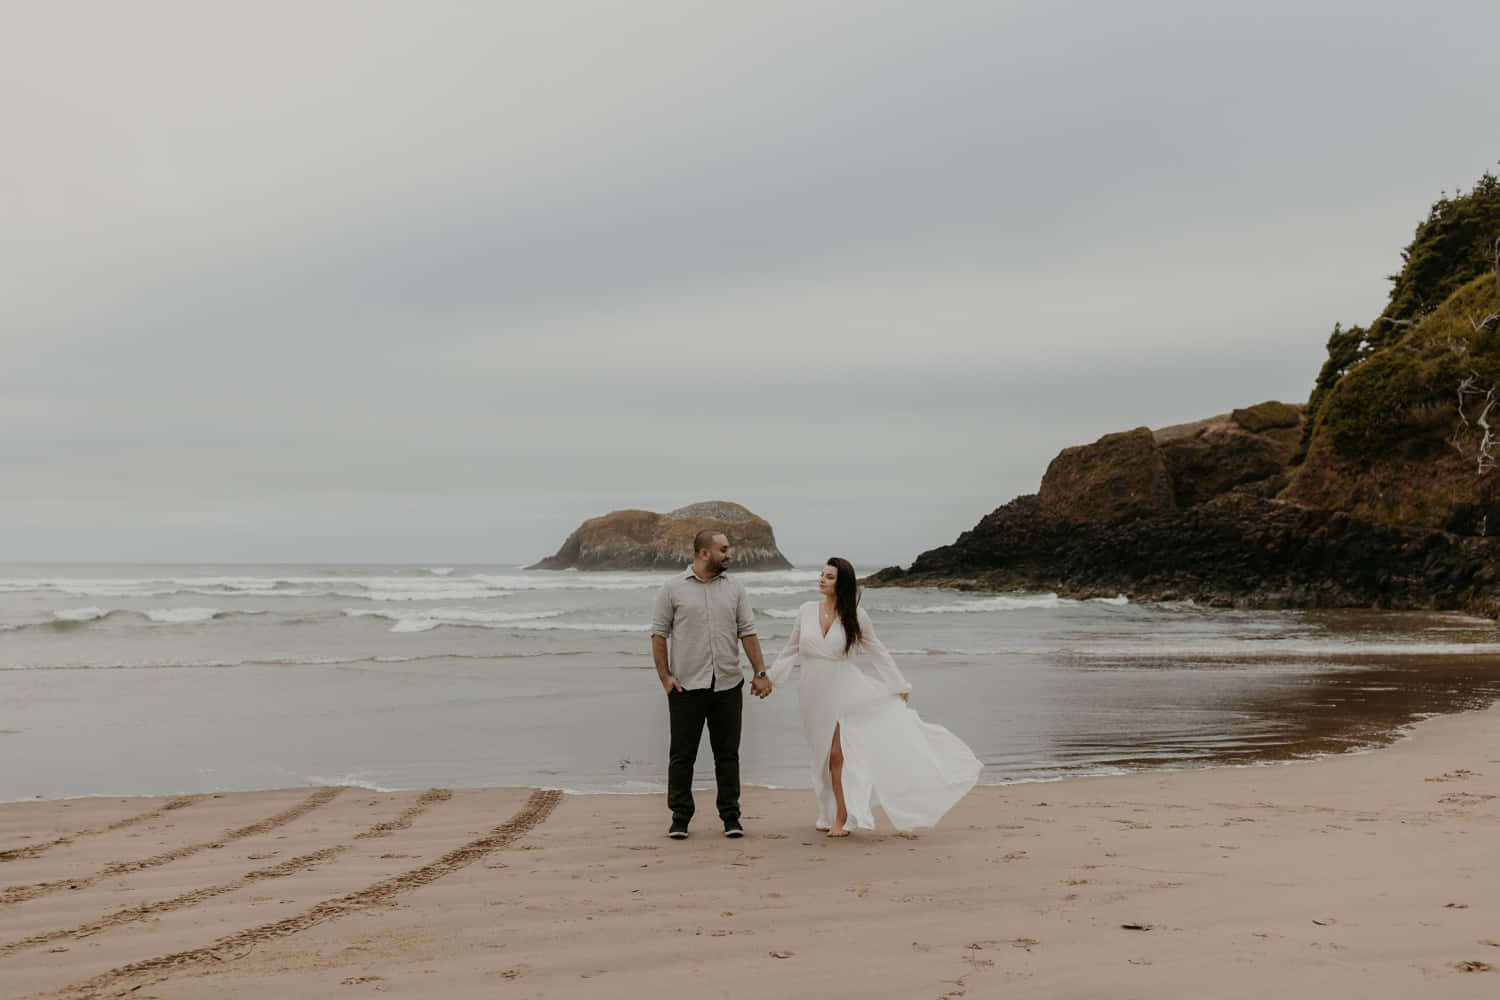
x=702 y=784
x=1367 y=873
x=1000 y=581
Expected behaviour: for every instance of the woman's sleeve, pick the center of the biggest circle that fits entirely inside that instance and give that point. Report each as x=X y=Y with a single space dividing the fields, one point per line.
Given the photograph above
x=791 y=655
x=885 y=666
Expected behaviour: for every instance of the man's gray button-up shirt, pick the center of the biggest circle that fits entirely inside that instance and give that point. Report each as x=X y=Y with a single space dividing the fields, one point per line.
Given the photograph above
x=703 y=622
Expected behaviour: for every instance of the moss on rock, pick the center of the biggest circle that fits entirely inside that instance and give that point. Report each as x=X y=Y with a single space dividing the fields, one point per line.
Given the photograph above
x=1267 y=415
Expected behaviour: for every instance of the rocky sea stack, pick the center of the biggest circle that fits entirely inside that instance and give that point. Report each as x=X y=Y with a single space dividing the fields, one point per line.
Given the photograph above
x=643 y=540
x=1381 y=491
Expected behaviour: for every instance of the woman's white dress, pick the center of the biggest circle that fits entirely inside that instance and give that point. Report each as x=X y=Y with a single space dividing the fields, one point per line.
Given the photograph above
x=914 y=770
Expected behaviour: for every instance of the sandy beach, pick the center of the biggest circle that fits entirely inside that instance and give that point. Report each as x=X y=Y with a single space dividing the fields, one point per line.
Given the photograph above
x=1370 y=875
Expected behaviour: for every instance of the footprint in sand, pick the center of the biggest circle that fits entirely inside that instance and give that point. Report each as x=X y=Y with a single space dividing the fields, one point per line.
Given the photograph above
x=1464 y=798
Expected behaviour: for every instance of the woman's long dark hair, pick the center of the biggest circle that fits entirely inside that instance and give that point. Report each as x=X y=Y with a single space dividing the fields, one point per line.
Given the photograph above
x=846 y=600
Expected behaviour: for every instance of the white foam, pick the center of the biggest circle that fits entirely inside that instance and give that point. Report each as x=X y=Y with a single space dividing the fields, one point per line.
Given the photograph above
x=439 y=583
x=778 y=612
x=181 y=616
x=581 y=627
x=591 y=581
x=998 y=603
x=430 y=618
x=349 y=781
x=448 y=593
x=952 y=652
x=371 y=587
x=79 y=614
x=1257 y=648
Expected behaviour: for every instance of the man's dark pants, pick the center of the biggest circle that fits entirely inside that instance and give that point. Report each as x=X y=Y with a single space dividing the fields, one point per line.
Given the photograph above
x=722 y=711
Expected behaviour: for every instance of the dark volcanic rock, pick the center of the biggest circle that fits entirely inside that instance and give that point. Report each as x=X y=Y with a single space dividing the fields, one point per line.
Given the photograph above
x=643 y=540
x=1238 y=549
x=1219 y=535
x=1119 y=476
x=1219 y=455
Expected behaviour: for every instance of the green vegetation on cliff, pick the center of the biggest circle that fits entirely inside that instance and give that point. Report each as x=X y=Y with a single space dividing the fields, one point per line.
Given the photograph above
x=1454 y=248
x=1267 y=415
x=1405 y=397
x=1457 y=242
x=1404 y=436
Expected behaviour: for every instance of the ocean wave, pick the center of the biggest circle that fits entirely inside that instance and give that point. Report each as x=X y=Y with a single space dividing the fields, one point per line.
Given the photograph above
x=573 y=582
x=1001 y=602
x=434 y=583
x=347 y=781
x=630 y=786
x=182 y=616
x=431 y=618
x=370 y=587
x=449 y=593
x=931 y=651
x=1258 y=649
x=79 y=614
x=584 y=627
x=294 y=661
x=73 y=617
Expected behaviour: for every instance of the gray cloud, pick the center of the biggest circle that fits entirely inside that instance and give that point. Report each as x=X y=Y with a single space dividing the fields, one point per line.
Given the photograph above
x=388 y=281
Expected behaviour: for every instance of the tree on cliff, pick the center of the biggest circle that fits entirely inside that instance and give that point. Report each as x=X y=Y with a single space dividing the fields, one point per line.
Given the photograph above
x=1457 y=242
x=1454 y=245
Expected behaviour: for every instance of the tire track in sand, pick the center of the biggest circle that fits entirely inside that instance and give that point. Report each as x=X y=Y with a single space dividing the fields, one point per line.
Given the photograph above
x=429 y=798
x=156 y=908
x=239 y=944
x=34 y=850
x=21 y=893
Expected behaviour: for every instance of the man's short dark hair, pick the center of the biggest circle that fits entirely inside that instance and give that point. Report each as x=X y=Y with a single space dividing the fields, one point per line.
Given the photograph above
x=705 y=540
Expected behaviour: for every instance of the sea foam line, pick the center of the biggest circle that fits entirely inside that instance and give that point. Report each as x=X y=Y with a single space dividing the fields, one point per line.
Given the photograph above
x=431 y=618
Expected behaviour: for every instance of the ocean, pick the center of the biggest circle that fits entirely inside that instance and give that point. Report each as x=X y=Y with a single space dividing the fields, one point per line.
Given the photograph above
x=154 y=679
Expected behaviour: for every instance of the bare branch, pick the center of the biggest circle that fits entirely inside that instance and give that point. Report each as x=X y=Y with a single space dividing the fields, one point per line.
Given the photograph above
x=1486 y=458
x=1484 y=451
x=1480 y=324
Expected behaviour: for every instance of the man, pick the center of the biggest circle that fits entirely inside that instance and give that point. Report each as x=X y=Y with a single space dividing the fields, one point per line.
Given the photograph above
x=706 y=616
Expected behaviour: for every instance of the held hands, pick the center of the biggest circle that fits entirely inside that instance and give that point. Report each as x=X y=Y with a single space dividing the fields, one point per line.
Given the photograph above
x=905 y=696
x=761 y=686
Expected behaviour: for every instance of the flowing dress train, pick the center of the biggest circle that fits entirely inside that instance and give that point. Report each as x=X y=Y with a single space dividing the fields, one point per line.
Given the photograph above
x=914 y=770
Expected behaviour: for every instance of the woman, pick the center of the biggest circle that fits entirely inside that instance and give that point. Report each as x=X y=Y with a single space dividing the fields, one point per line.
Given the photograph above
x=867 y=745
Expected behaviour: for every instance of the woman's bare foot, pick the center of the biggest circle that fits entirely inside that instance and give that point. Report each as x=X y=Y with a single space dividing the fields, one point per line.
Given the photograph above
x=838 y=831
x=821 y=829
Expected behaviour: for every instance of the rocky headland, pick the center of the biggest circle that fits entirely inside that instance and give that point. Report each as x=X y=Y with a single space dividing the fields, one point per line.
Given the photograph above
x=1380 y=491
x=644 y=540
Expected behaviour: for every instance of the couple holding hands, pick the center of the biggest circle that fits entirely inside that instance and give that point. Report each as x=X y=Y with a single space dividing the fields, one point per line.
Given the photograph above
x=867 y=745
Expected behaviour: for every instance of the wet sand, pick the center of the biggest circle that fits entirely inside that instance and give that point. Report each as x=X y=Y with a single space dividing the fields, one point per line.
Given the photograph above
x=1370 y=875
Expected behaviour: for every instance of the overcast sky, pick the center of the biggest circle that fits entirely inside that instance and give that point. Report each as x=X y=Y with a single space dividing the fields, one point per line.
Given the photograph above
x=434 y=282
